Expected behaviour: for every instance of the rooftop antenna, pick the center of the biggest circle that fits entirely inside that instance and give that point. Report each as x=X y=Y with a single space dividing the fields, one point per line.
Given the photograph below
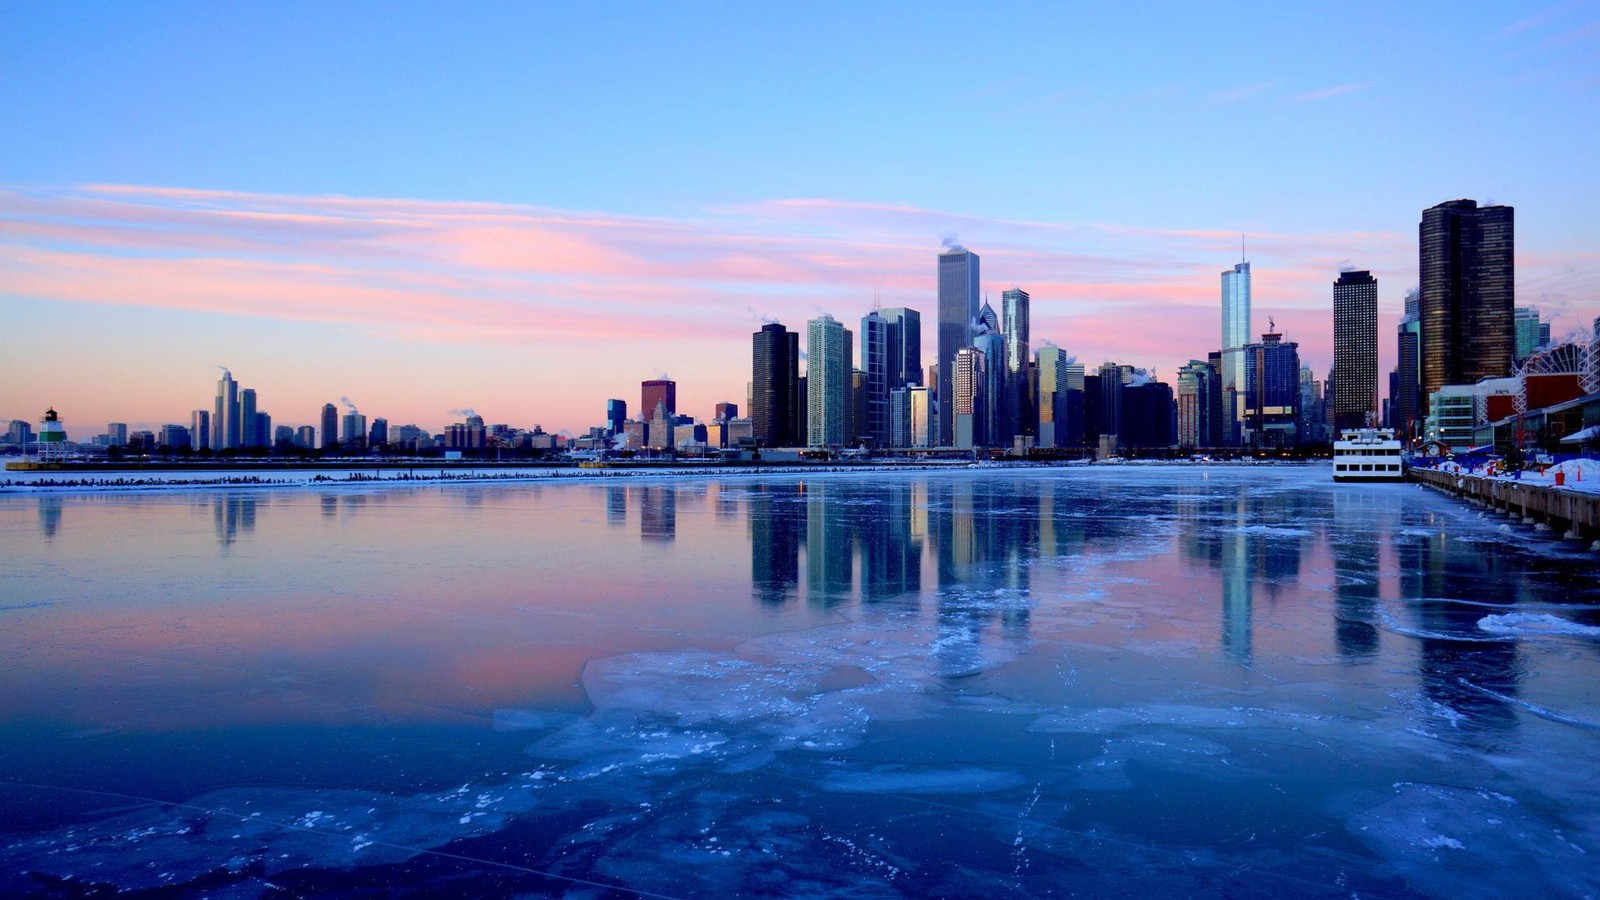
x=1241 y=248
x=1271 y=324
x=876 y=303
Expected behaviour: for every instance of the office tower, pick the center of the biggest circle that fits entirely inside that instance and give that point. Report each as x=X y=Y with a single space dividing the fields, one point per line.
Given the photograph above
x=1405 y=404
x=116 y=434
x=1526 y=325
x=353 y=428
x=247 y=418
x=924 y=417
x=1311 y=413
x=774 y=385
x=900 y=417
x=262 y=429
x=958 y=307
x=330 y=426
x=1355 y=349
x=1111 y=403
x=306 y=437
x=855 y=411
x=225 y=431
x=616 y=414
x=379 y=435
x=1235 y=334
x=726 y=411
x=1272 y=390
x=1019 y=416
x=283 y=436
x=658 y=391
x=1468 y=278
x=200 y=429
x=990 y=429
x=966 y=389
x=874 y=401
x=828 y=372
x=1149 y=414
x=175 y=436
x=1053 y=386
x=905 y=345
x=1195 y=389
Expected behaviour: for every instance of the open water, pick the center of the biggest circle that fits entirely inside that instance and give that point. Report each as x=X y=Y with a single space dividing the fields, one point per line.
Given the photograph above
x=1101 y=681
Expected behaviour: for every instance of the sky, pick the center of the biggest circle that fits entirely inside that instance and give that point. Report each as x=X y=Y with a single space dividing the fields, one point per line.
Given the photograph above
x=526 y=209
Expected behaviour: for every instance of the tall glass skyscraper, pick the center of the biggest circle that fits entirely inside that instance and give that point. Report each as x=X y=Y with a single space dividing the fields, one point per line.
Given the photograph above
x=774 y=386
x=828 y=370
x=874 y=401
x=225 y=430
x=958 y=306
x=1468 y=280
x=905 y=346
x=1019 y=415
x=1355 y=349
x=1235 y=335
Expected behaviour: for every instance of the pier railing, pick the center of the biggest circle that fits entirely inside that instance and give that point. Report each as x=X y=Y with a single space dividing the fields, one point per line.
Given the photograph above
x=1576 y=514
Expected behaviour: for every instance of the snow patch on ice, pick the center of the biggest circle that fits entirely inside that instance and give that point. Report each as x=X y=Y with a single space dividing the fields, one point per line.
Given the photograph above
x=1532 y=624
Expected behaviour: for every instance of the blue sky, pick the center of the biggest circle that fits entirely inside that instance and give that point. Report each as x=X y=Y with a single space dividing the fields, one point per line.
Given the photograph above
x=1326 y=129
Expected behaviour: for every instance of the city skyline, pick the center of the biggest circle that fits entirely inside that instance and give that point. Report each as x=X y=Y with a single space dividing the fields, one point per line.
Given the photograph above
x=331 y=244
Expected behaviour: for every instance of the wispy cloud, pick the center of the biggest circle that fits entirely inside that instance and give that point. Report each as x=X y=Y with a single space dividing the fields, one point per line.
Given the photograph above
x=1328 y=93
x=1242 y=92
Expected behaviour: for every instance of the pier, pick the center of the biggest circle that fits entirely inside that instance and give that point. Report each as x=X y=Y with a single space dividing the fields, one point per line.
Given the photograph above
x=1573 y=514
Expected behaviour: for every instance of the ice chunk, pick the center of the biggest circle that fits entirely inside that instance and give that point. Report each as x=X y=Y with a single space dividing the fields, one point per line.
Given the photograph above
x=1535 y=624
x=903 y=780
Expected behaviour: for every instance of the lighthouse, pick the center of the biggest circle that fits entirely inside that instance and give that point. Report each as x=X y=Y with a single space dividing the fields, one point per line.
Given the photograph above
x=52 y=441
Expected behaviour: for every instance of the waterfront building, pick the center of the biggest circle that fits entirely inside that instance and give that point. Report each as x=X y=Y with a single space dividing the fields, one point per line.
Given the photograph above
x=20 y=432
x=1198 y=384
x=1468 y=274
x=247 y=418
x=967 y=396
x=616 y=414
x=900 y=417
x=1235 y=334
x=658 y=391
x=330 y=426
x=263 y=430
x=1110 y=405
x=990 y=428
x=1355 y=349
x=738 y=432
x=775 y=385
x=1020 y=418
x=1530 y=333
x=658 y=430
x=1149 y=415
x=200 y=429
x=924 y=417
x=958 y=307
x=828 y=371
x=225 y=431
x=905 y=345
x=873 y=404
x=1272 y=392
x=1051 y=364
x=378 y=436
x=117 y=434
x=352 y=429
x=175 y=437
x=1405 y=401
x=306 y=436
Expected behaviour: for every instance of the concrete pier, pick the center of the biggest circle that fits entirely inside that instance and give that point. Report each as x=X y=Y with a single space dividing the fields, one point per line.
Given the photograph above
x=1573 y=513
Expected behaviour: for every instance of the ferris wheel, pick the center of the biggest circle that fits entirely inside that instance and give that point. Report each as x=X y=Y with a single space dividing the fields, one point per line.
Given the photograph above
x=1568 y=358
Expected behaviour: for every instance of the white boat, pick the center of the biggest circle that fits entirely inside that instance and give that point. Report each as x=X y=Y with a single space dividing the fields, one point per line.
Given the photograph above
x=1368 y=454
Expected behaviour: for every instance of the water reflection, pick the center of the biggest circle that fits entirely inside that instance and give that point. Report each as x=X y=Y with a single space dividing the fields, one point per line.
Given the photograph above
x=658 y=512
x=49 y=515
x=235 y=513
x=775 y=538
x=1355 y=581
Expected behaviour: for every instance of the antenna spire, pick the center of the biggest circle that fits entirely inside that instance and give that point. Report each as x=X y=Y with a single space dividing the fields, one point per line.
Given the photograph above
x=1241 y=248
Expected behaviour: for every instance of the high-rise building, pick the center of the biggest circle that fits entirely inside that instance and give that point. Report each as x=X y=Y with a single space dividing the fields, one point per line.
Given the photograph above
x=725 y=411
x=330 y=426
x=1526 y=325
x=1052 y=365
x=991 y=428
x=200 y=429
x=262 y=430
x=1111 y=403
x=900 y=417
x=1313 y=429
x=874 y=401
x=1235 y=334
x=306 y=436
x=958 y=307
x=616 y=414
x=1355 y=349
x=1197 y=383
x=924 y=418
x=352 y=429
x=117 y=434
x=774 y=385
x=1405 y=404
x=1272 y=391
x=1020 y=418
x=379 y=435
x=1468 y=281
x=247 y=418
x=663 y=391
x=828 y=371
x=225 y=430
x=966 y=388
x=905 y=345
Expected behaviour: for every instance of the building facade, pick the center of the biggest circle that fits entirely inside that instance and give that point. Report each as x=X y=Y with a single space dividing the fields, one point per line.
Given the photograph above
x=1355 y=349
x=958 y=307
x=828 y=371
x=1235 y=334
x=1468 y=279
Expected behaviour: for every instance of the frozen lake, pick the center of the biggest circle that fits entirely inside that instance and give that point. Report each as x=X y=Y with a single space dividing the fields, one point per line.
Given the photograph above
x=1102 y=681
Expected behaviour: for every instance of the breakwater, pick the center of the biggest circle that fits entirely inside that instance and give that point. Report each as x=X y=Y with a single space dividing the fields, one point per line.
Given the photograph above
x=1573 y=514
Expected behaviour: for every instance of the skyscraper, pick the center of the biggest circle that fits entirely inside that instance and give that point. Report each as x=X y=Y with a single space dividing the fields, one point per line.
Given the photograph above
x=1235 y=334
x=828 y=371
x=247 y=418
x=663 y=391
x=1468 y=279
x=966 y=387
x=225 y=429
x=1405 y=405
x=1019 y=414
x=991 y=430
x=1053 y=386
x=1111 y=404
x=1196 y=386
x=1272 y=390
x=330 y=426
x=200 y=429
x=774 y=385
x=874 y=401
x=958 y=306
x=1355 y=349
x=616 y=415
x=1525 y=321
x=905 y=345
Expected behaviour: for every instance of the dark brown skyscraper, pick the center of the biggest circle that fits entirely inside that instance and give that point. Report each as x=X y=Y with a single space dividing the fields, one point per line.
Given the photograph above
x=662 y=391
x=1468 y=277
x=775 y=386
x=1355 y=348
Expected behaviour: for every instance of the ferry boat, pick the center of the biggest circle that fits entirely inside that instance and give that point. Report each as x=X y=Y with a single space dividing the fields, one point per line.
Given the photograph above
x=1368 y=454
